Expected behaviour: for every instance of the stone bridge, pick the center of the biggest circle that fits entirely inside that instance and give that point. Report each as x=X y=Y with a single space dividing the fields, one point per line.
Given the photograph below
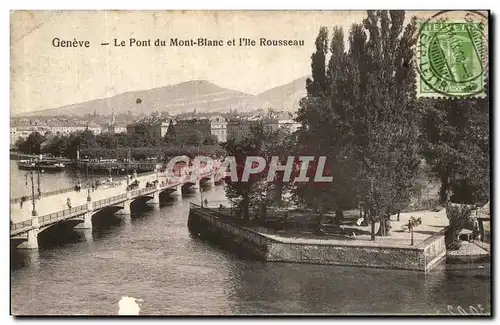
x=78 y=207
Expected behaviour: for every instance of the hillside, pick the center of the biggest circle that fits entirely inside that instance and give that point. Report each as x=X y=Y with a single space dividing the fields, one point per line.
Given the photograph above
x=285 y=97
x=281 y=98
x=185 y=97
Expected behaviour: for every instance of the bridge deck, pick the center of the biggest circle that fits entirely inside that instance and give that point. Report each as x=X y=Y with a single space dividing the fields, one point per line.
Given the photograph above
x=54 y=208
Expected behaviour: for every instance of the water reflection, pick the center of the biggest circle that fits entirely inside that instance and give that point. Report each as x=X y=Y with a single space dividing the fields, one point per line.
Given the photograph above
x=24 y=258
x=87 y=235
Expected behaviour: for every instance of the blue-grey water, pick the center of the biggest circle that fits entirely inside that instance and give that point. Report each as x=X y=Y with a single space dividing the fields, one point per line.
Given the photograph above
x=151 y=256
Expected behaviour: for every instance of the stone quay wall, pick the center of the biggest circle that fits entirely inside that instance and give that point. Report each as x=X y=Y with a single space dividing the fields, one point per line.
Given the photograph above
x=206 y=223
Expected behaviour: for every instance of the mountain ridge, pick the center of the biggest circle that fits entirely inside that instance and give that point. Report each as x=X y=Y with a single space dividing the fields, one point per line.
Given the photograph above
x=200 y=95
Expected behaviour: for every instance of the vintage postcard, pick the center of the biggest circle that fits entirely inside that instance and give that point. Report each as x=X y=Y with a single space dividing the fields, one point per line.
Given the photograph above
x=240 y=163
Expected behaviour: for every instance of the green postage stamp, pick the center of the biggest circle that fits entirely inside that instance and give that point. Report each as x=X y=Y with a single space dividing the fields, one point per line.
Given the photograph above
x=452 y=59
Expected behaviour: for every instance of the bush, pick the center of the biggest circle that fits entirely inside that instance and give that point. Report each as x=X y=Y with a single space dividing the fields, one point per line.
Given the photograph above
x=458 y=216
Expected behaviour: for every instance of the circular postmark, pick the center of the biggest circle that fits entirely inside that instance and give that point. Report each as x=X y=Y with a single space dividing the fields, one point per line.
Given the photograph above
x=452 y=54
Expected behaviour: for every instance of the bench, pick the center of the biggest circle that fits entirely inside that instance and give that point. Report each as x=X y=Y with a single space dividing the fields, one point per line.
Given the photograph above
x=465 y=233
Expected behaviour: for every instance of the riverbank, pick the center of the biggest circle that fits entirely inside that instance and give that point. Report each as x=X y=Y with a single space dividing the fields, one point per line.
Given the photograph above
x=349 y=249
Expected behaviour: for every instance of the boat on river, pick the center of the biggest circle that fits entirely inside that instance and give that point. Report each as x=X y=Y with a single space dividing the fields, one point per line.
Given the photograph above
x=42 y=165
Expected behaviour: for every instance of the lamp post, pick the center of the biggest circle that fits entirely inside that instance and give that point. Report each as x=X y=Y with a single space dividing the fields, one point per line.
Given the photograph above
x=117 y=161
x=38 y=182
x=33 y=201
x=87 y=171
x=127 y=166
x=198 y=176
x=201 y=197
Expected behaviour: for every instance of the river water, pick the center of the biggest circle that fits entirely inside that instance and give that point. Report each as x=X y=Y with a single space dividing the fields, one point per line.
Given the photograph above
x=151 y=256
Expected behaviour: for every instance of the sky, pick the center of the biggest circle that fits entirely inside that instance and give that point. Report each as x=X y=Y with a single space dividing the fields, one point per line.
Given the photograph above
x=44 y=76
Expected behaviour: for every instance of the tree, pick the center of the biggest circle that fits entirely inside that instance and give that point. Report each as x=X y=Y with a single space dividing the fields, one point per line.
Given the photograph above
x=238 y=192
x=316 y=136
x=88 y=139
x=318 y=83
x=195 y=138
x=361 y=113
x=269 y=190
x=385 y=130
x=106 y=140
x=255 y=192
x=171 y=135
x=211 y=139
x=19 y=143
x=57 y=146
x=143 y=136
x=455 y=137
x=78 y=141
x=32 y=144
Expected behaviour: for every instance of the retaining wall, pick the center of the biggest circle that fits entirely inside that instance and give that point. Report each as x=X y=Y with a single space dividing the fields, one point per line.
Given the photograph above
x=207 y=224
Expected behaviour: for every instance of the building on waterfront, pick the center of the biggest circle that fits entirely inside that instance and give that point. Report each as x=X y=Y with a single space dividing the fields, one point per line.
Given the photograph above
x=281 y=120
x=121 y=129
x=188 y=125
x=53 y=126
x=94 y=128
x=13 y=136
x=110 y=127
x=157 y=126
x=113 y=126
x=66 y=127
x=22 y=128
x=218 y=127
x=239 y=128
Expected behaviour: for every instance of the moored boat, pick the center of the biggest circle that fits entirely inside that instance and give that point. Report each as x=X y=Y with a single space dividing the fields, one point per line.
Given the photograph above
x=42 y=165
x=51 y=165
x=26 y=164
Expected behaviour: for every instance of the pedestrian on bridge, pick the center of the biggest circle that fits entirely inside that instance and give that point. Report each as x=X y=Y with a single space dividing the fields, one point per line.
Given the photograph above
x=68 y=202
x=23 y=199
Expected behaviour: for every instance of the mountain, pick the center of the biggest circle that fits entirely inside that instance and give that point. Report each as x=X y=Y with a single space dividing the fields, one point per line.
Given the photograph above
x=285 y=97
x=281 y=98
x=185 y=97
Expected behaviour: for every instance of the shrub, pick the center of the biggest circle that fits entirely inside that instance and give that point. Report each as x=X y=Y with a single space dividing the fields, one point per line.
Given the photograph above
x=458 y=216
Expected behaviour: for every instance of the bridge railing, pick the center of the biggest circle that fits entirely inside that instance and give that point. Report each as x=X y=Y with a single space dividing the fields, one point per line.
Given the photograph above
x=71 y=189
x=42 y=220
x=145 y=190
x=140 y=191
x=109 y=200
x=171 y=182
x=84 y=186
x=22 y=224
x=44 y=194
